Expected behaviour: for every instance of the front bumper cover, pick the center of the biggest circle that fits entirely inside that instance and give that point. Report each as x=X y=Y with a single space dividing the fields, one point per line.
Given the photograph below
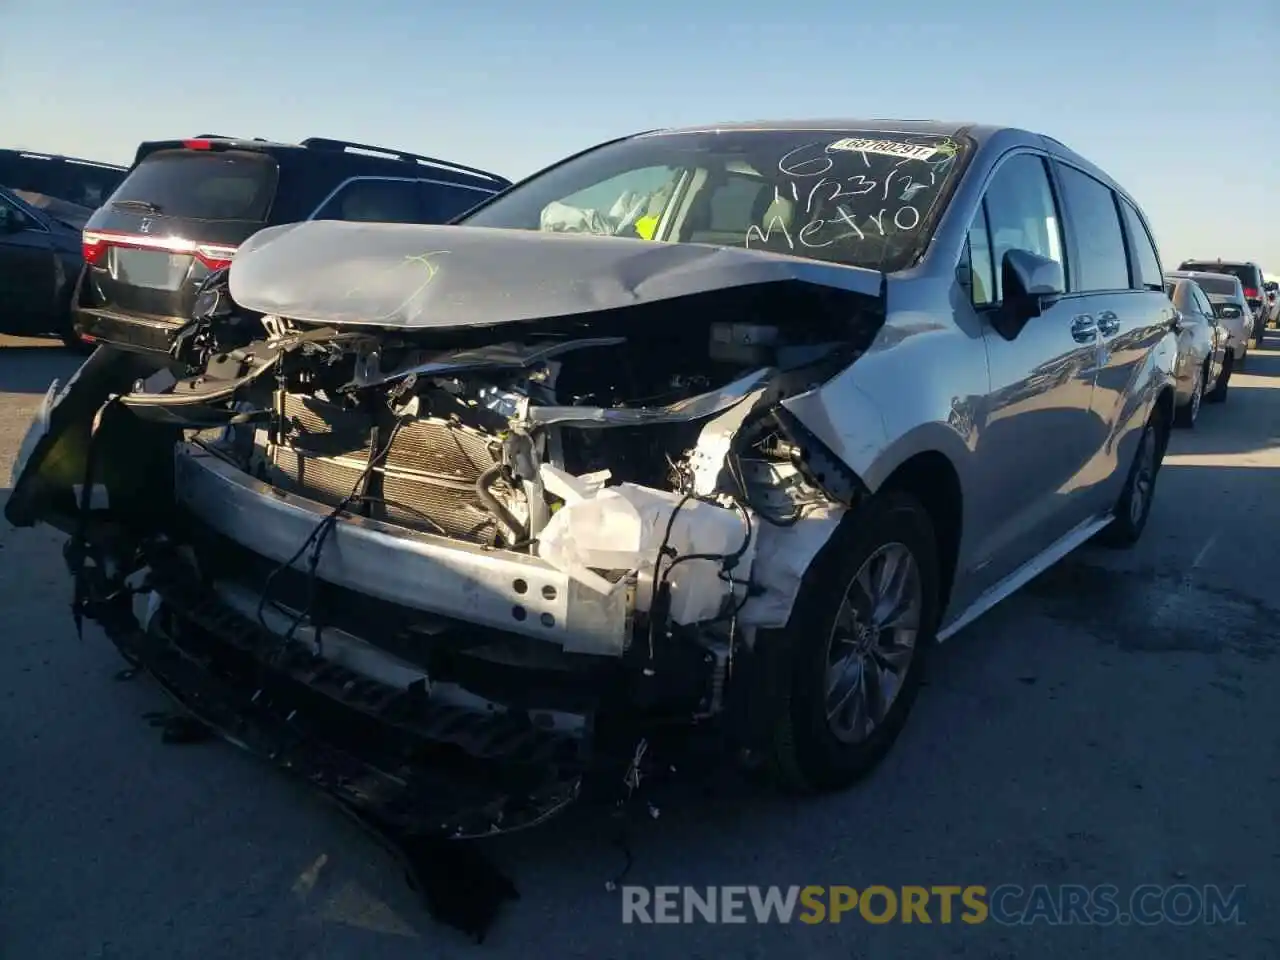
x=383 y=751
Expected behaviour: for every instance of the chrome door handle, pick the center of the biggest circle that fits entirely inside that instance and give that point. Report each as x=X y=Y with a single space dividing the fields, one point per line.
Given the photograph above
x=1108 y=323
x=1084 y=328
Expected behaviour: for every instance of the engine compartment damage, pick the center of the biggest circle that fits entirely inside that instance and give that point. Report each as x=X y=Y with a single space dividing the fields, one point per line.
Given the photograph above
x=451 y=572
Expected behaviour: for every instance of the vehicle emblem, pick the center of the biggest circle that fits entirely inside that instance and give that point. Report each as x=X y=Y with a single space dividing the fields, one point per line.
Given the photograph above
x=145 y=225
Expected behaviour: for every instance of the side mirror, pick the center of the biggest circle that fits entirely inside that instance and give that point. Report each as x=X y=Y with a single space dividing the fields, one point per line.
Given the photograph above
x=1178 y=322
x=1231 y=313
x=11 y=221
x=1027 y=280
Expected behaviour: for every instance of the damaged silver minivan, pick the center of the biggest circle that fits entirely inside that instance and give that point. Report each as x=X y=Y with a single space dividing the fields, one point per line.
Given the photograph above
x=715 y=427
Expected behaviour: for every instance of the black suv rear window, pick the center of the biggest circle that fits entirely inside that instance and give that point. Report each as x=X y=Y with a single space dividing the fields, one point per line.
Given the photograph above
x=203 y=185
x=1248 y=274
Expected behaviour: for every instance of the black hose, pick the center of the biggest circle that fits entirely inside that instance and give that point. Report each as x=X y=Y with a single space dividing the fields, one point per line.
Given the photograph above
x=514 y=527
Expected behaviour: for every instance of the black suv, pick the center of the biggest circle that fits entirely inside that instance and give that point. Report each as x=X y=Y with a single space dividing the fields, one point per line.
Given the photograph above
x=1250 y=276
x=186 y=205
x=83 y=182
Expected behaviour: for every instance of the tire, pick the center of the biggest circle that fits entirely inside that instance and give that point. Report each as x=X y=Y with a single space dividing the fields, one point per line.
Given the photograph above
x=805 y=751
x=1189 y=412
x=1219 y=392
x=1134 y=506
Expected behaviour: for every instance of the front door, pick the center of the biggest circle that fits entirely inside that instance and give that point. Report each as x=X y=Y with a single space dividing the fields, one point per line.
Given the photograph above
x=1039 y=431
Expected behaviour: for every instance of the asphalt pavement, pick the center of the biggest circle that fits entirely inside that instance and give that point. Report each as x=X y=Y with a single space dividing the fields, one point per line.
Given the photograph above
x=1115 y=723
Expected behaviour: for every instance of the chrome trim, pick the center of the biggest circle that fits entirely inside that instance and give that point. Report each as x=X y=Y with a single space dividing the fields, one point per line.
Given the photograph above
x=416 y=570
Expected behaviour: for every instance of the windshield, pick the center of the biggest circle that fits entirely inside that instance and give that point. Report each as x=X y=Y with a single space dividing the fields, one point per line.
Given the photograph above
x=72 y=214
x=82 y=184
x=857 y=197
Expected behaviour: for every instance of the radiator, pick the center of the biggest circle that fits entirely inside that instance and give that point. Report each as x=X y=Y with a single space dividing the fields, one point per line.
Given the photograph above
x=427 y=479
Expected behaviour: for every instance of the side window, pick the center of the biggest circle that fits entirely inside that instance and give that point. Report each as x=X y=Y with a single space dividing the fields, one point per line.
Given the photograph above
x=1202 y=302
x=12 y=220
x=1101 y=261
x=1021 y=213
x=441 y=202
x=981 y=272
x=1147 y=274
x=374 y=201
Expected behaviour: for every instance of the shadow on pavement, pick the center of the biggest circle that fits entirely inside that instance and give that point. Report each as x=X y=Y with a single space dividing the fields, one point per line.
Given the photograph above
x=28 y=366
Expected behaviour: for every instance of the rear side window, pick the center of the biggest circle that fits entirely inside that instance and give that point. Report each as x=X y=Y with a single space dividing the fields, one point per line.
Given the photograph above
x=443 y=202
x=203 y=185
x=374 y=200
x=1146 y=264
x=1101 y=261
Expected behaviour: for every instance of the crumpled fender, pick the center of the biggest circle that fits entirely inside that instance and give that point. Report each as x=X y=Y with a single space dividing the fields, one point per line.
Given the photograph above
x=54 y=453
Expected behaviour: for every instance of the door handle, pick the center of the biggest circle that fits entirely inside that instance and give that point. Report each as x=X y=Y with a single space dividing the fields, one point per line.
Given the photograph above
x=1108 y=323
x=1084 y=328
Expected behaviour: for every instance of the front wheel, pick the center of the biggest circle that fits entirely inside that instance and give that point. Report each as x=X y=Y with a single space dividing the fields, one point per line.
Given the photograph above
x=1134 y=506
x=846 y=669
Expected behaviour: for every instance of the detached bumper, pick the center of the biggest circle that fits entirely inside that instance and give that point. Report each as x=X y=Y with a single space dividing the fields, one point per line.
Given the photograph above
x=394 y=752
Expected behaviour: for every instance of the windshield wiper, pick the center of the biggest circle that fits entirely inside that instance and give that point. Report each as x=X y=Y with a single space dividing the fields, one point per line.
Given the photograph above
x=146 y=205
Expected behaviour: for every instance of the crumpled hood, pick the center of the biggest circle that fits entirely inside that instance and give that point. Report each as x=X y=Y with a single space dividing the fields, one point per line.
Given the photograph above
x=432 y=276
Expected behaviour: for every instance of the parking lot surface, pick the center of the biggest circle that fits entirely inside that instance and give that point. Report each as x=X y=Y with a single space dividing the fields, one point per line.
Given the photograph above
x=1116 y=722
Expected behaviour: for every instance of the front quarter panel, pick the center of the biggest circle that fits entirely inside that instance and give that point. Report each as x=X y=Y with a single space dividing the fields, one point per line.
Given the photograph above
x=914 y=390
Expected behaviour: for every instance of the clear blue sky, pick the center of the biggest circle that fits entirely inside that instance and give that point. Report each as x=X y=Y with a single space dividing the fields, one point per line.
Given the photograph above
x=1179 y=101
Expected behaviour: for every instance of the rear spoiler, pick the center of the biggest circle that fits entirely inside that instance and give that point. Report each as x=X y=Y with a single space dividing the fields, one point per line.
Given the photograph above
x=203 y=142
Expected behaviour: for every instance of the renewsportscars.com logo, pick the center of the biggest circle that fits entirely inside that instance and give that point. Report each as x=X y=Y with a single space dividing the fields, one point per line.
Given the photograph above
x=1007 y=904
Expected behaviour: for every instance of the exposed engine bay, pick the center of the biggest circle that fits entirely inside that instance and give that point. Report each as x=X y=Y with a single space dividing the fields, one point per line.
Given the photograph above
x=519 y=540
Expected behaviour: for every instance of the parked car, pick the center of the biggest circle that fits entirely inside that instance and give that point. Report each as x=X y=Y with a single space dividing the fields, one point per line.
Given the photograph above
x=187 y=204
x=1231 y=308
x=1202 y=347
x=1251 y=281
x=1272 y=290
x=39 y=263
x=85 y=183
x=718 y=427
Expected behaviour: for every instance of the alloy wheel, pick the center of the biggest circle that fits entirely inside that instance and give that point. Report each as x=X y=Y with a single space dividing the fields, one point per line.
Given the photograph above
x=873 y=642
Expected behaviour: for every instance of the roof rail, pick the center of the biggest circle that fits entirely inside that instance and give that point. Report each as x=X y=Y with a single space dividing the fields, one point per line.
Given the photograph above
x=324 y=143
x=62 y=158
